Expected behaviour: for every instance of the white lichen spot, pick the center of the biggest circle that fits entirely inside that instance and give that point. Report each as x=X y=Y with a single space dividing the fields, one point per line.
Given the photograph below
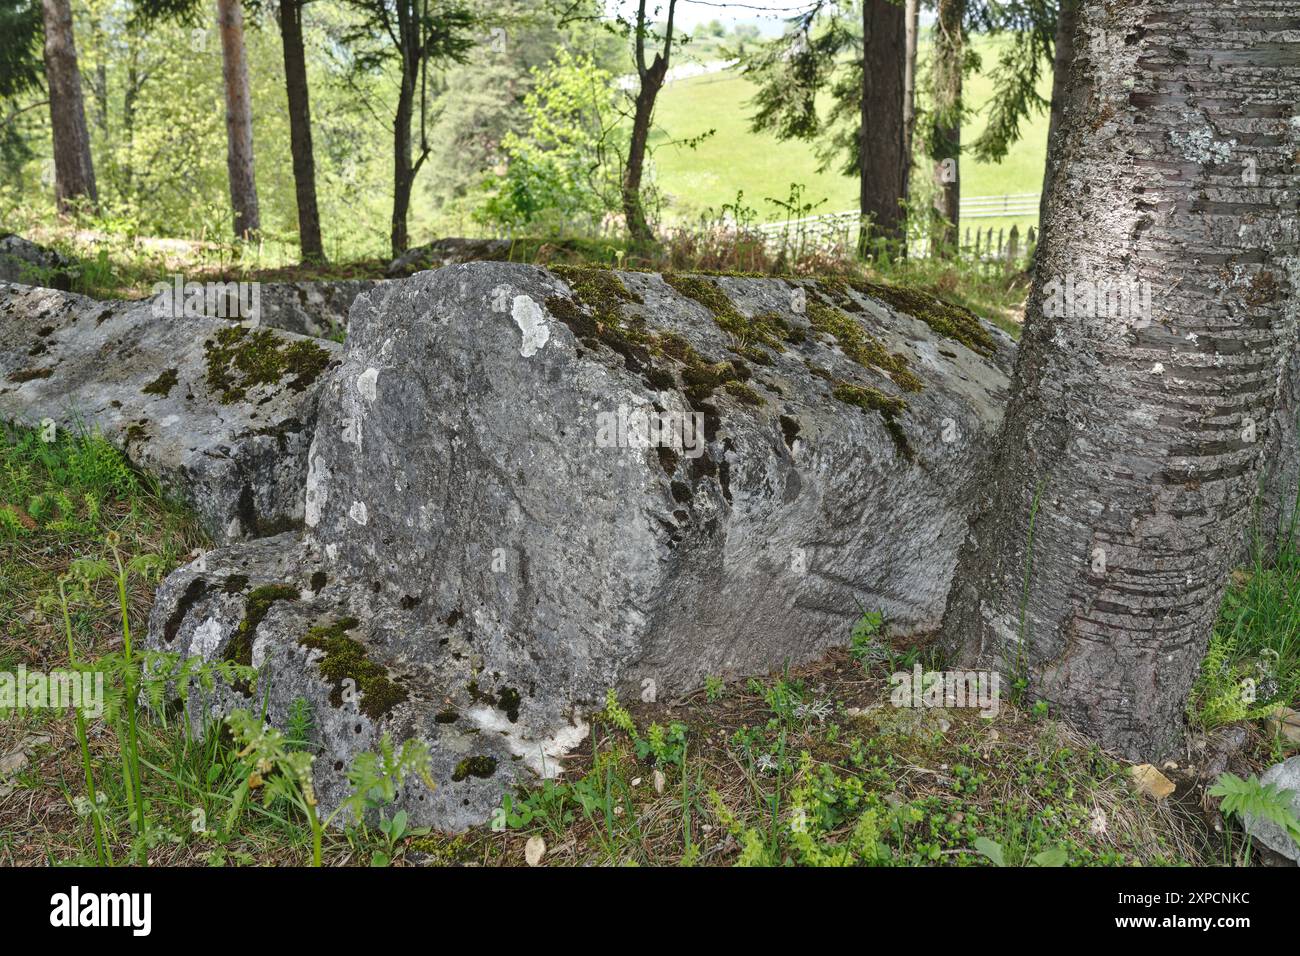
x=317 y=491
x=530 y=318
x=366 y=383
x=500 y=296
x=352 y=431
x=332 y=552
x=206 y=638
x=358 y=512
x=1199 y=146
x=542 y=756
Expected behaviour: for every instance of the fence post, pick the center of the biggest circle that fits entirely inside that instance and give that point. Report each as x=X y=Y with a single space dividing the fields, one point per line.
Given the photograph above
x=1013 y=244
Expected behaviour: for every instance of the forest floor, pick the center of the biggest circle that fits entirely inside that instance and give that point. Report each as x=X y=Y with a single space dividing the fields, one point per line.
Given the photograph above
x=811 y=765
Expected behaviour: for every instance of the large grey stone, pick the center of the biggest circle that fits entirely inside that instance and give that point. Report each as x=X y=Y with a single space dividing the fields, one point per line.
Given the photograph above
x=220 y=413
x=481 y=563
x=445 y=252
x=22 y=260
x=1287 y=776
x=316 y=308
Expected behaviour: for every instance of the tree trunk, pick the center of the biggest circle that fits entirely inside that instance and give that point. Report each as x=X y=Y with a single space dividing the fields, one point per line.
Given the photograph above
x=403 y=167
x=1115 y=500
x=652 y=79
x=239 y=119
x=945 y=145
x=1066 y=19
x=633 y=210
x=882 y=155
x=911 y=17
x=74 y=173
x=304 y=159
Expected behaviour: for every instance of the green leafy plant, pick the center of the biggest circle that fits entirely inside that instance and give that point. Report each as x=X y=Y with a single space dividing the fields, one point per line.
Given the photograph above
x=284 y=773
x=1052 y=856
x=1242 y=798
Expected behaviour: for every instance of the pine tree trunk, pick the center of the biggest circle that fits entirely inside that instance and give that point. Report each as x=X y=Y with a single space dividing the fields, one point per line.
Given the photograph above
x=1066 y=20
x=74 y=173
x=945 y=145
x=304 y=159
x=1116 y=498
x=239 y=119
x=882 y=156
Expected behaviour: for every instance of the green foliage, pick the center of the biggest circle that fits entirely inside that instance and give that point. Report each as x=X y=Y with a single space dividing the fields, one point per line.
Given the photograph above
x=1053 y=856
x=21 y=34
x=272 y=764
x=1251 y=797
x=714 y=688
x=565 y=168
x=1253 y=661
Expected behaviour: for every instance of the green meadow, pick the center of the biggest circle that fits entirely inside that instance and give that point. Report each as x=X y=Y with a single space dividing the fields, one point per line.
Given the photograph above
x=700 y=179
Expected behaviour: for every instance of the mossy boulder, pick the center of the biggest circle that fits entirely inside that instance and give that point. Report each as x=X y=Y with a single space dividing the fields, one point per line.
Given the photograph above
x=220 y=413
x=497 y=528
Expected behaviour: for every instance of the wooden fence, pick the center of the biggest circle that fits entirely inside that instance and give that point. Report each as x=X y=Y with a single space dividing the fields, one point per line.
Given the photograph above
x=839 y=230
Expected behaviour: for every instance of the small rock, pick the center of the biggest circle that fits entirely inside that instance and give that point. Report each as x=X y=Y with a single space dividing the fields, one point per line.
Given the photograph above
x=12 y=762
x=636 y=781
x=1287 y=776
x=1151 y=781
x=1098 y=822
x=1285 y=722
x=660 y=780
x=534 y=850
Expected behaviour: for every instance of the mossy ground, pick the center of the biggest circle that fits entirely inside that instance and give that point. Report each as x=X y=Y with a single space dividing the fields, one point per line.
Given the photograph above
x=821 y=748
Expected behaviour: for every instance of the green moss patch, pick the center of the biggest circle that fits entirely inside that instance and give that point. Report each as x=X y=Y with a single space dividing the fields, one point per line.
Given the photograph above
x=767 y=329
x=873 y=400
x=951 y=321
x=163 y=384
x=256 y=606
x=480 y=766
x=859 y=346
x=346 y=658
x=239 y=359
x=594 y=318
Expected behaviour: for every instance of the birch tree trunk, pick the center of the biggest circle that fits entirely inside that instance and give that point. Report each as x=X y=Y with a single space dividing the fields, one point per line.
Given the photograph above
x=882 y=159
x=911 y=25
x=74 y=173
x=239 y=118
x=945 y=140
x=1118 y=493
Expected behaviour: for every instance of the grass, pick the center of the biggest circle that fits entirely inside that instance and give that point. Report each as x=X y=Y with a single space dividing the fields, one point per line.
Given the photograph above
x=809 y=766
x=1253 y=662
x=696 y=180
